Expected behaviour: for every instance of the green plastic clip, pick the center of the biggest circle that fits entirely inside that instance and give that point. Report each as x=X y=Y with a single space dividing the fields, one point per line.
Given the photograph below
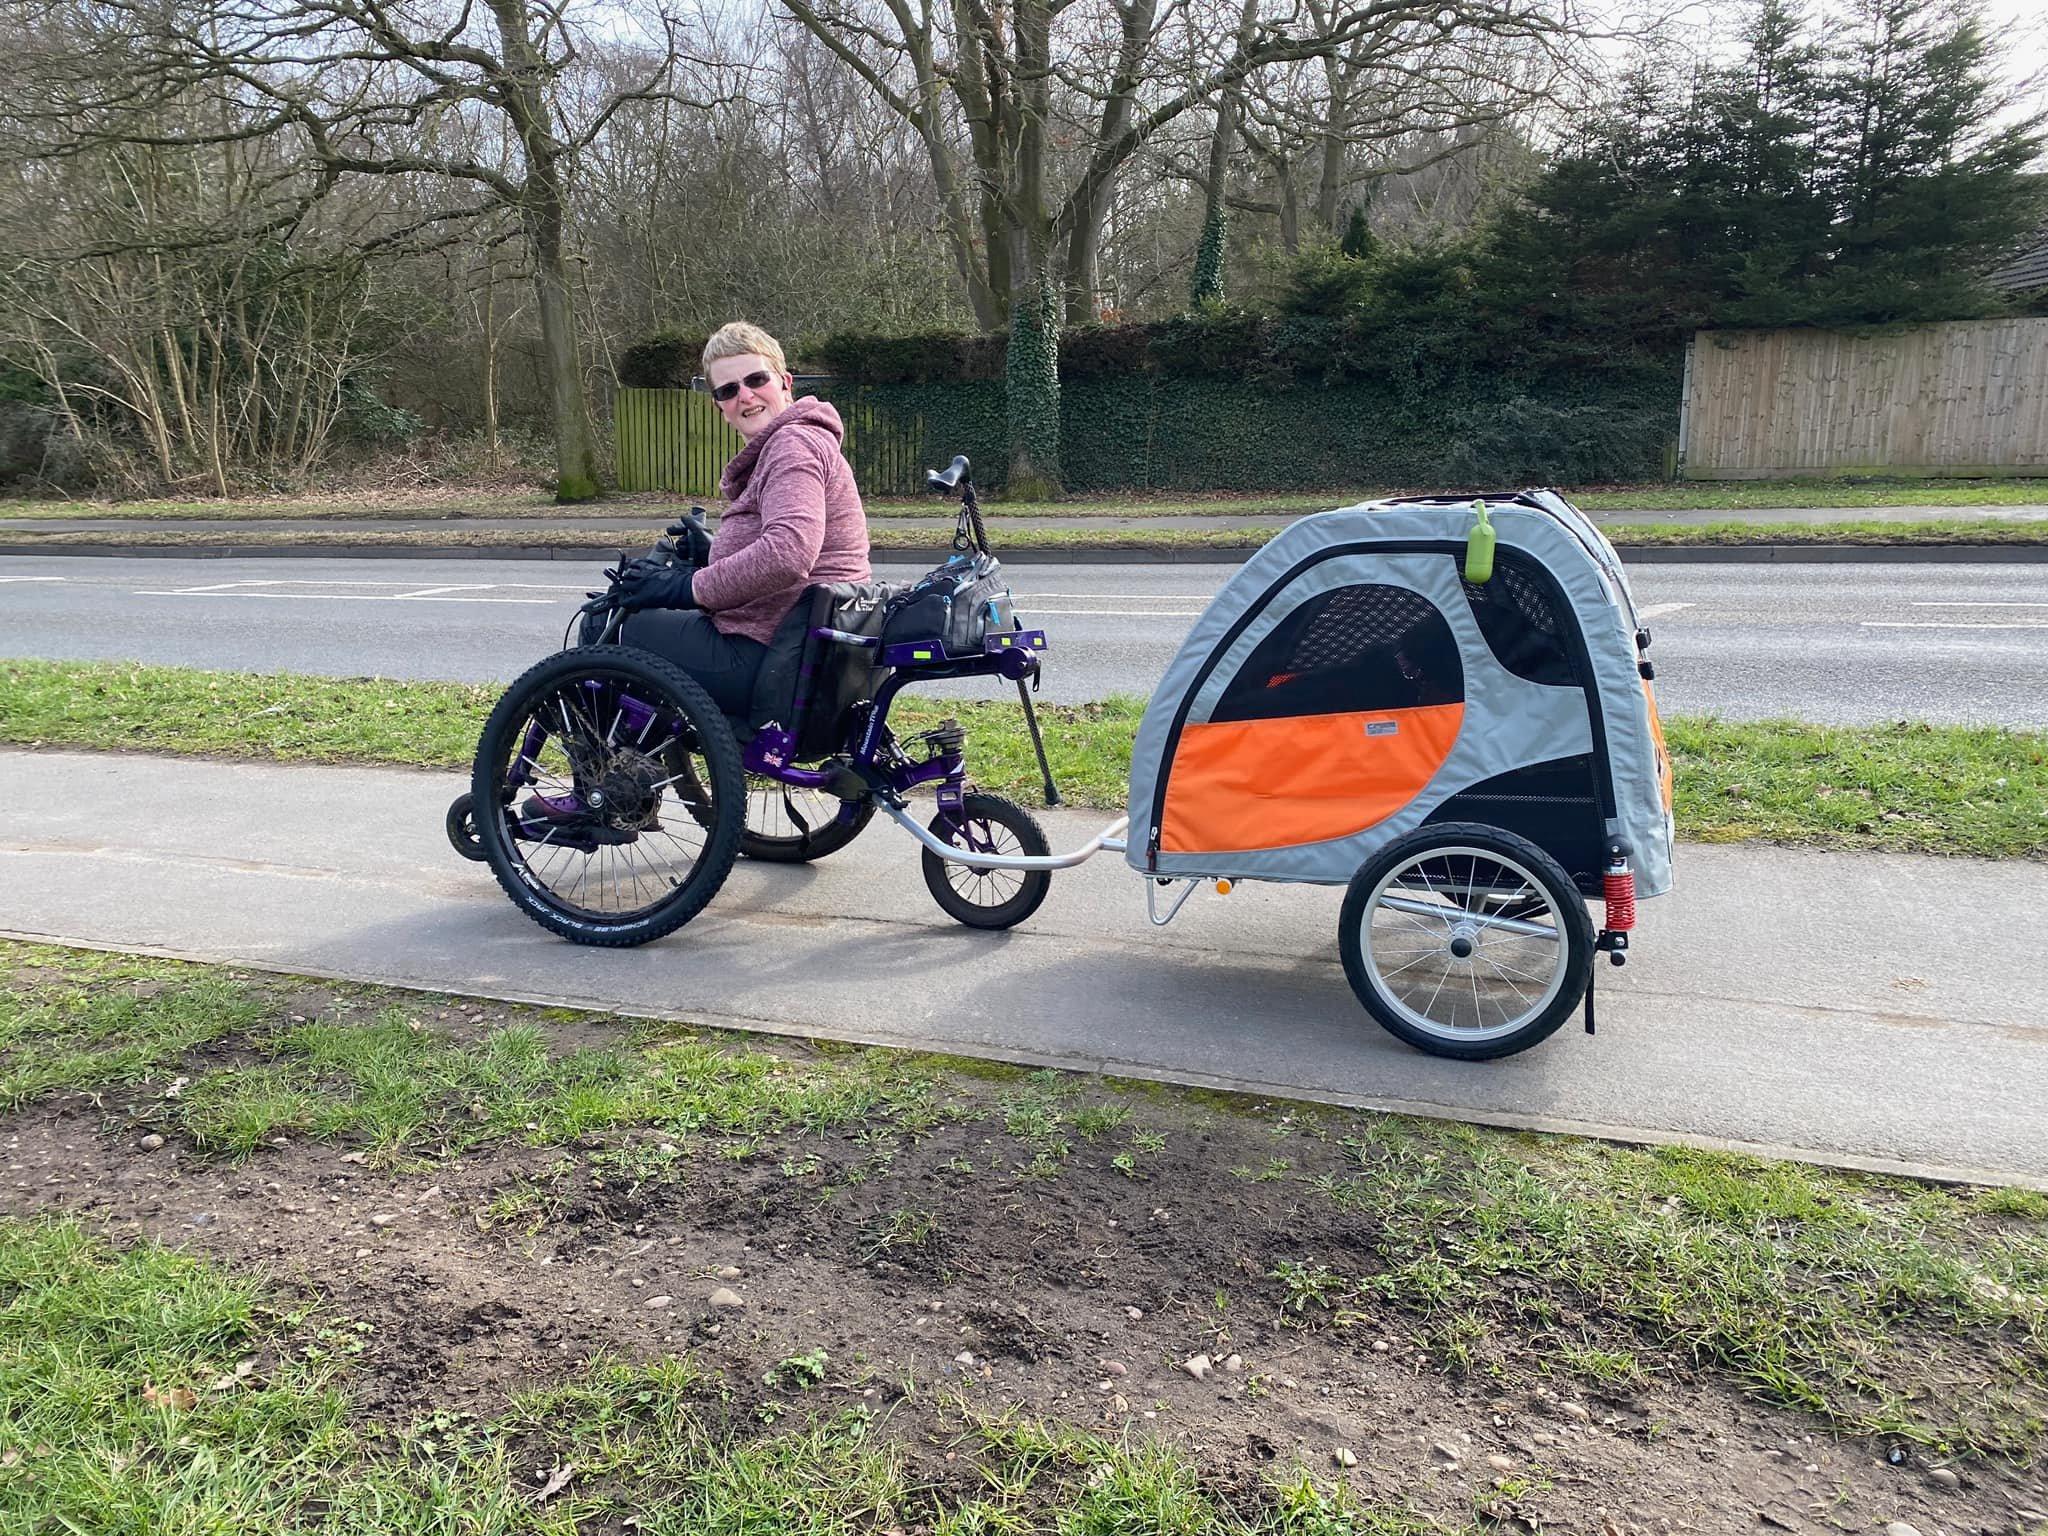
x=1479 y=549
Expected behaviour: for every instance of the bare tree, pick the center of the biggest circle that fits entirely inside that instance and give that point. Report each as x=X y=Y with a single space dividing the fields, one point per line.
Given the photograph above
x=462 y=99
x=1028 y=113
x=161 y=277
x=1326 y=133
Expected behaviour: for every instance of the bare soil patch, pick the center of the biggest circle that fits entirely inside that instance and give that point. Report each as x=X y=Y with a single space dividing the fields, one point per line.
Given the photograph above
x=939 y=1268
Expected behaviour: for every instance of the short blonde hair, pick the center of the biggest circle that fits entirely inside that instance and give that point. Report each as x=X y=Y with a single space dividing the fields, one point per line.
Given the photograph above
x=740 y=338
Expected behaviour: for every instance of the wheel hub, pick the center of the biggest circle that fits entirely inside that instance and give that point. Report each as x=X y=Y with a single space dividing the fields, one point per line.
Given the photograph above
x=628 y=792
x=1464 y=940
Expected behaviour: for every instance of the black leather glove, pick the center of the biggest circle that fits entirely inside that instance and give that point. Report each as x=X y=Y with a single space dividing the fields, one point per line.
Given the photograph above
x=644 y=583
x=693 y=539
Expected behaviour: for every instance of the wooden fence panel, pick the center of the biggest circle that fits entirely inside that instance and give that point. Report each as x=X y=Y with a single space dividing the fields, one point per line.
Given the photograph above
x=676 y=440
x=670 y=440
x=1969 y=397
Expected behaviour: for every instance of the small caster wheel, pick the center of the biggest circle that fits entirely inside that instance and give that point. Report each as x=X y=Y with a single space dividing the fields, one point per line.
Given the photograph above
x=462 y=836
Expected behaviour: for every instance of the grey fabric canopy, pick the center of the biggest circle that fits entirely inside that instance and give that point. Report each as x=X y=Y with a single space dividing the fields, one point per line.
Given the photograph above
x=1346 y=686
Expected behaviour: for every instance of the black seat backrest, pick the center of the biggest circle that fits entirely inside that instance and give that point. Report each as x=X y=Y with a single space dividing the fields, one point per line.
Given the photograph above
x=842 y=675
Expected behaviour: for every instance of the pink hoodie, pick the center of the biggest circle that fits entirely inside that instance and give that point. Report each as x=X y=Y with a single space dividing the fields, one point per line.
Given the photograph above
x=793 y=518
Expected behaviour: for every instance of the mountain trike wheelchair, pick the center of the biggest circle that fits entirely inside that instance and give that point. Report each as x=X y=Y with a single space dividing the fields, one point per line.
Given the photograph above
x=1440 y=704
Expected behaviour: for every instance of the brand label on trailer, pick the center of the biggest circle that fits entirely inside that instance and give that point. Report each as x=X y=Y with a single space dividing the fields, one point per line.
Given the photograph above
x=1382 y=727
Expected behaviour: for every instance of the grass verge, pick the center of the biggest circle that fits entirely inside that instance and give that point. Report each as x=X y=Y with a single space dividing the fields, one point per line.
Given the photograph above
x=148 y=1391
x=612 y=534
x=1877 y=1306
x=1907 y=787
x=456 y=503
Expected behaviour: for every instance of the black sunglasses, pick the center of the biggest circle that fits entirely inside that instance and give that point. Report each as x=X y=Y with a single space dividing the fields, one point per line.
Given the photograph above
x=727 y=391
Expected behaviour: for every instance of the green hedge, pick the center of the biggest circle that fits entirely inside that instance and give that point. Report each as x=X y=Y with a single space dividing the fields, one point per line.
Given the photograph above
x=1419 y=390
x=1218 y=434
x=667 y=361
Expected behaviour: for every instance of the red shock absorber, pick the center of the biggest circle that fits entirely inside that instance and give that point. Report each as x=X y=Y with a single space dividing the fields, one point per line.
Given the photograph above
x=1618 y=885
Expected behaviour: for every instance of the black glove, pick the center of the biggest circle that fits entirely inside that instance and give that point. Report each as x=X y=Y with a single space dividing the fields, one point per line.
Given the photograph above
x=693 y=539
x=644 y=583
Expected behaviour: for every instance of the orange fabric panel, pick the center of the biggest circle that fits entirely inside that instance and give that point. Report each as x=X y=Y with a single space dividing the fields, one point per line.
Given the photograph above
x=1665 y=781
x=1242 y=784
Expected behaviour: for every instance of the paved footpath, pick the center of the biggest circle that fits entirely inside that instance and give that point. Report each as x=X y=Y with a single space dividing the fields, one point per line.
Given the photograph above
x=1875 y=1011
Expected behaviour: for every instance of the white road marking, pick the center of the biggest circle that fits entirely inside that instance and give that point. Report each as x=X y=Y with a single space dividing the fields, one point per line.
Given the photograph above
x=1658 y=610
x=1940 y=624
x=30 y=578
x=1987 y=604
x=1117 y=613
x=355 y=597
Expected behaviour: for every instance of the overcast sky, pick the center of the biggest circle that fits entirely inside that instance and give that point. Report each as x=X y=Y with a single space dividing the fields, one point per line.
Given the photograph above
x=2028 y=54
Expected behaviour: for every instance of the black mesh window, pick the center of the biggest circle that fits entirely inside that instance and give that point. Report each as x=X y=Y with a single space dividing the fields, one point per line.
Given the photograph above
x=1521 y=625
x=1357 y=648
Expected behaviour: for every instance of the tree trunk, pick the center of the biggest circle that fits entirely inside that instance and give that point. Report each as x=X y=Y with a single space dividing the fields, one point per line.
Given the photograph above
x=1032 y=373
x=490 y=359
x=1207 y=284
x=542 y=213
x=1208 y=279
x=1336 y=129
x=1084 y=240
x=1032 y=380
x=1084 y=253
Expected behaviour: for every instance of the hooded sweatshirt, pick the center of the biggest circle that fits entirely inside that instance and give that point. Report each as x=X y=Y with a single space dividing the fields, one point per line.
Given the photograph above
x=793 y=518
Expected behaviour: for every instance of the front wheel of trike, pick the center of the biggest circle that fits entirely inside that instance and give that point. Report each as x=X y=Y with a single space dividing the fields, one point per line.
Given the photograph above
x=608 y=796
x=1466 y=941
x=988 y=898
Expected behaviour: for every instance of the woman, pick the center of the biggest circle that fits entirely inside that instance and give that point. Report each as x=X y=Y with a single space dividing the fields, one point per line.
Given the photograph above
x=793 y=518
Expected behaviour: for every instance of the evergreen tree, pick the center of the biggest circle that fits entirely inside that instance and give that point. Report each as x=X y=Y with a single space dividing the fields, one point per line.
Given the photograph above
x=1765 y=119
x=1597 y=256
x=1816 y=181
x=1358 y=242
x=1928 y=188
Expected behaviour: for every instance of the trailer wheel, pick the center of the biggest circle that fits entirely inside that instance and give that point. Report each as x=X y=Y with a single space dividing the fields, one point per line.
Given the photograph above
x=1466 y=941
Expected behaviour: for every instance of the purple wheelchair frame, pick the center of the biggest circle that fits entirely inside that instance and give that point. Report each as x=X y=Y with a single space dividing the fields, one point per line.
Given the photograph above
x=1011 y=655
x=770 y=752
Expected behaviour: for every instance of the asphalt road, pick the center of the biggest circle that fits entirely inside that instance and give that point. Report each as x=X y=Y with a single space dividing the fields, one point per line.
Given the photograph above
x=1857 y=1008
x=1850 y=643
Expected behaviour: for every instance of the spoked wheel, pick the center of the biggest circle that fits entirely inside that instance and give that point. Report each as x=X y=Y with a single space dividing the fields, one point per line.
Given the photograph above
x=1466 y=941
x=988 y=898
x=614 y=792
x=789 y=825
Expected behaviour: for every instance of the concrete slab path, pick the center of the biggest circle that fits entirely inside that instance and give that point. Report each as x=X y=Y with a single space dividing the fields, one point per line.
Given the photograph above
x=1873 y=1011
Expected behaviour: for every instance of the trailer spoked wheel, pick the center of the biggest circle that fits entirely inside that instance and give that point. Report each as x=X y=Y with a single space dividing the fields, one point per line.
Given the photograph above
x=1466 y=941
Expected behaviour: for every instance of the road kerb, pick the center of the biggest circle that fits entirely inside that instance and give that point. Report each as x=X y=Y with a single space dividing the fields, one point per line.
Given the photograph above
x=1105 y=1066
x=1221 y=554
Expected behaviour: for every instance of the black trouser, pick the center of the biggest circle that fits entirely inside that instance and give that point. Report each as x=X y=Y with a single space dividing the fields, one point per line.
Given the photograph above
x=725 y=665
